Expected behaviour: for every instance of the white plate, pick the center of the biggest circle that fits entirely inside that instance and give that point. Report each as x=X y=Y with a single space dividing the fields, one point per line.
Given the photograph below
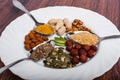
x=12 y=48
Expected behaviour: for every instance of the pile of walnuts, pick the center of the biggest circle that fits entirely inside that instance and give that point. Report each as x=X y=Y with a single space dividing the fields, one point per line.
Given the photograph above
x=77 y=25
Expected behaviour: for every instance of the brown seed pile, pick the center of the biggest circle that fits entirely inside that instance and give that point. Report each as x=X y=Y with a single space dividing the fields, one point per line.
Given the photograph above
x=32 y=39
x=80 y=53
x=41 y=51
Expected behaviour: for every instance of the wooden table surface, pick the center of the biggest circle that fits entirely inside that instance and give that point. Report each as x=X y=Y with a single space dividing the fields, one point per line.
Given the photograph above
x=108 y=8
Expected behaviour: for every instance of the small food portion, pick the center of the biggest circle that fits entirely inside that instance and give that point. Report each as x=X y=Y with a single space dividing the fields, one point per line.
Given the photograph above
x=45 y=29
x=41 y=51
x=64 y=25
x=58 y=59
x=60 y=25
x=59 y=41
x=32 y=39
x=80 y=52
x=78 y=25
x=85 y=37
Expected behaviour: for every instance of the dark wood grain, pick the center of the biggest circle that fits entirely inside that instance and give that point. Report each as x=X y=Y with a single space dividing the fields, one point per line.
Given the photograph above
x=109 y=8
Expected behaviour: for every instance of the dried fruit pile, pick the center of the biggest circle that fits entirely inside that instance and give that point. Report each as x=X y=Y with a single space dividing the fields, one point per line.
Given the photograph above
x=80 y=53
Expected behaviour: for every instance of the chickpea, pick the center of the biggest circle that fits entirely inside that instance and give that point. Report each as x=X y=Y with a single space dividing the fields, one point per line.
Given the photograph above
x=45 y=38
x=31 y=35
x=27 y=37
x=32 y=45
x=34 y=40
x=37 y=35
x=40 y=40
x=32 y=32
x=27 y=47
x=38 y=43
x=27 y=41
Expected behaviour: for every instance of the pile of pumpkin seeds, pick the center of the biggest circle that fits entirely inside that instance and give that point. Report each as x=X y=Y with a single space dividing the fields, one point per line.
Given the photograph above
x=58 y=59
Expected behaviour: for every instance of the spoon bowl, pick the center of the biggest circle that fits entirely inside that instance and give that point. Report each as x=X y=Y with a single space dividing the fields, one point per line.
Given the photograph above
x=100 y=38
x=20 y=6
x=23 y=59
x=45 y=34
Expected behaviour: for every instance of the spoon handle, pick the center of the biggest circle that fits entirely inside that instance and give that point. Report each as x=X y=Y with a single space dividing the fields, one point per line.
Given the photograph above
x=20 y=6
x=12 y=64
x=110 y=37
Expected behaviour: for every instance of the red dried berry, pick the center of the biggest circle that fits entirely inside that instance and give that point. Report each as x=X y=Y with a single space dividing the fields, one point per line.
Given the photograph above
x=75 y=60
x=86 y=47
x=69 y=42
x=83 y=58
x=77 y=46
x=90 y=53
x=93 y=47
x=82 y=52
x=69 y=48
x=74 y=52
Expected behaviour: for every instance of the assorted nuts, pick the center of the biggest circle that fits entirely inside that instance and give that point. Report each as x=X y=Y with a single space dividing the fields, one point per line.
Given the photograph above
x=60 y=25
x=58 y=57
x=77 y=25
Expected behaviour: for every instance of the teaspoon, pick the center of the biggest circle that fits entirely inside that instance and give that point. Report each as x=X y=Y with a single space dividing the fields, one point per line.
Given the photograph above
x=2 y=69
x=20 y=6
x=100 y=38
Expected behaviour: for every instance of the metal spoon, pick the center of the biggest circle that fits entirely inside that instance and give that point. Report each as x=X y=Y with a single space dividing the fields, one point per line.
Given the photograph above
x=23 y=59
x=100 y=38
x=19 y=5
